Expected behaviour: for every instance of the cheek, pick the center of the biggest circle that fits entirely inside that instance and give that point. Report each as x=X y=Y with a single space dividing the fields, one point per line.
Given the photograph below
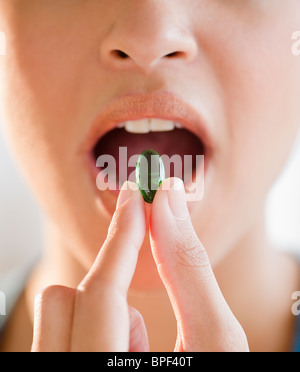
x=262 y=101
x=43 y=83
x=46 y=109
x=264 y=116
x=260 y=79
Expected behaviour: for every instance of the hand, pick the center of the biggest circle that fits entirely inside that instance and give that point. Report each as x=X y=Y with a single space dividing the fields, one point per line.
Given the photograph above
x=96 y=316
x=204 y=319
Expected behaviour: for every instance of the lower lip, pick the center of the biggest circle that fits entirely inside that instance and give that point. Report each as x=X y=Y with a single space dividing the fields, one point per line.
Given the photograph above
x=108 y=198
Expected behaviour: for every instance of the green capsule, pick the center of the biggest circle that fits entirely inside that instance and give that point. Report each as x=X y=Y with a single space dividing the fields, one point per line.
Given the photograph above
x=150 y=173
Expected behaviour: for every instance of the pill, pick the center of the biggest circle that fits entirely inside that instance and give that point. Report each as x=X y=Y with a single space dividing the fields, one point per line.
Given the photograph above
x=150 y=173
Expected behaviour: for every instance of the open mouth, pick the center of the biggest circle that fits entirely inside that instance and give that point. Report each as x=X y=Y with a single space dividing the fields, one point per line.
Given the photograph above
x=175 y=143
x=136 y=122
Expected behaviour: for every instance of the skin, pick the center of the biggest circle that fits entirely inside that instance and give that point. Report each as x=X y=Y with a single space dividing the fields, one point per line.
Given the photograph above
x=235 y=62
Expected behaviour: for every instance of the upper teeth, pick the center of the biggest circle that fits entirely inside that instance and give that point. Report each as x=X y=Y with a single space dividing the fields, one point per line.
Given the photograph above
x=149 y=125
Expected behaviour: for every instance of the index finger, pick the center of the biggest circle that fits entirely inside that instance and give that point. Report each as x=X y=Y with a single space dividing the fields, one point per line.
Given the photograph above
x=116 y=261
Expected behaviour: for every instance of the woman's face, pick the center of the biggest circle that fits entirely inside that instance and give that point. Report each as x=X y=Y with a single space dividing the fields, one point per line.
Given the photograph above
x=76 y=69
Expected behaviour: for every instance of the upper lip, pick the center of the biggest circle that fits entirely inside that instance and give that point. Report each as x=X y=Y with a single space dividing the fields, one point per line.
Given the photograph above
x=135 y=106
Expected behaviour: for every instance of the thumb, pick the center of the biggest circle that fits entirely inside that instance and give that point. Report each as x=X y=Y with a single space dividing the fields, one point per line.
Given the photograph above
x=138 y=333
x=201 y=311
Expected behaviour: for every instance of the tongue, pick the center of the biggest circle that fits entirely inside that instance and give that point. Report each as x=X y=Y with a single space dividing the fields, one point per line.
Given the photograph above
x=177 y=142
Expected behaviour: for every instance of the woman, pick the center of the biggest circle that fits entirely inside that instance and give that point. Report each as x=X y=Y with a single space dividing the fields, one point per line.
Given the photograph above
x=82 y=79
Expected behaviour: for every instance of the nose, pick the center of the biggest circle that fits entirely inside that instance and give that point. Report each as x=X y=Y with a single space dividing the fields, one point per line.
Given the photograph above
x=147 y=33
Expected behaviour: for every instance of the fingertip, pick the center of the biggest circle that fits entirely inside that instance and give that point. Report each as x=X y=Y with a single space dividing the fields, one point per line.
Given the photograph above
x=128 y=190
x=177 y=200
x=170 y=202
x=168 y=183
x=139 y=341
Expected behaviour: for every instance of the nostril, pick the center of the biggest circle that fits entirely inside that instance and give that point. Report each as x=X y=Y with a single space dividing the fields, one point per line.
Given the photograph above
x=119 y=54
x=174 y=55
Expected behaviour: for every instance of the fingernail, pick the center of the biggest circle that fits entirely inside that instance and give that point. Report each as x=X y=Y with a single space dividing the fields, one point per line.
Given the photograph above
x=177 y=200
x=126 y=192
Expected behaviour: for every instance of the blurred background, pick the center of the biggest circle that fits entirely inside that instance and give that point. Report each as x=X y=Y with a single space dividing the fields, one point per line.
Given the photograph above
x=21 y=228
